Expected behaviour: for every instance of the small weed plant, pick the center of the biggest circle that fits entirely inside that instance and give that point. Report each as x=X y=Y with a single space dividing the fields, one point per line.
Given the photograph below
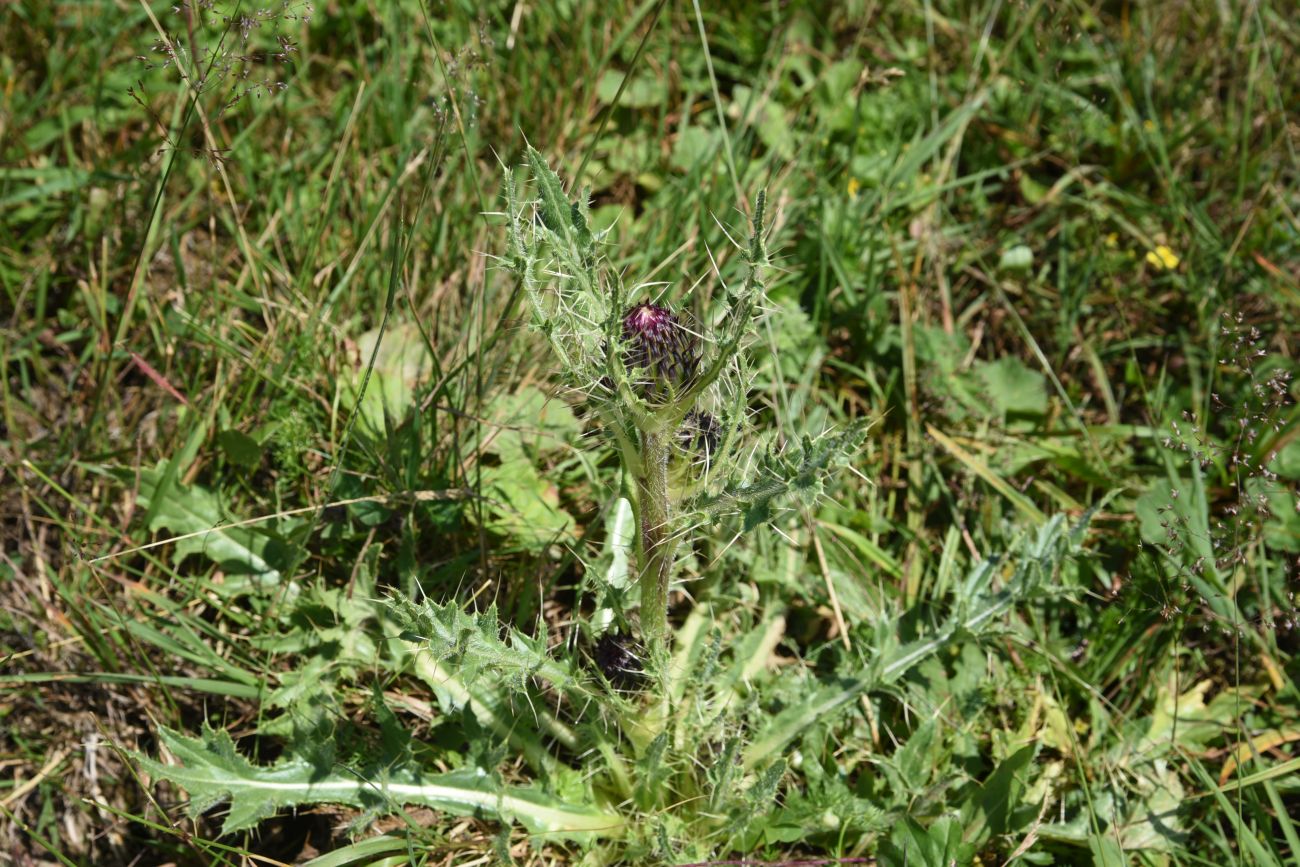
x=672 y=394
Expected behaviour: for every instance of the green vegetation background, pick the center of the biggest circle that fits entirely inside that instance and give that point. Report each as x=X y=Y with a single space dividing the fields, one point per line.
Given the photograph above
x=1053 y=247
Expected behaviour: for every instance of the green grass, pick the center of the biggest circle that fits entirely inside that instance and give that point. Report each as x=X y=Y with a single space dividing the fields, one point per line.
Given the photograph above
x=287 y=480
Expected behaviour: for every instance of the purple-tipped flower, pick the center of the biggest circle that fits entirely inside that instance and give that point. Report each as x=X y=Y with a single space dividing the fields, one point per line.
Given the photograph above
x=661 y=355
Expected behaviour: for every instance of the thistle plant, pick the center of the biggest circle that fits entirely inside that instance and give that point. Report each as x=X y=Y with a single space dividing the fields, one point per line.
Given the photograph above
x=671 y=394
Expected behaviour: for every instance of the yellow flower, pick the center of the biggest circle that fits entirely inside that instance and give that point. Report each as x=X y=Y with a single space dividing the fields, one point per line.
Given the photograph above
x=1162 y=258
x=1149 y=125
x=853 y=188
x=1112 y=240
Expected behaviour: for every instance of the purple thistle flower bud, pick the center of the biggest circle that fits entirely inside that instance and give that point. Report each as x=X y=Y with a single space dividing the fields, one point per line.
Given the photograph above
x=661 y=355
x=619 y=658
x=699 y=436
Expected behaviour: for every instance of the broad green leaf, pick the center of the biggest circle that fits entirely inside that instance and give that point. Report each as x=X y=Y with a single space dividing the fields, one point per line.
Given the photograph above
x=1014 y=388
x=835 y=93
x=1187 y=721
x=1153 y=822
x=915 y=760
x=940 y=845
x=528 y=422
x=641 y=92
x=1106 y=852
x=694 y=145
x=240 y=448
x=213 y=772
x=523 y=506
x=402 y=363
x=1282 y=526
x=1287 y=462
x=196 y=510
x=766 y=116
x=995 y=811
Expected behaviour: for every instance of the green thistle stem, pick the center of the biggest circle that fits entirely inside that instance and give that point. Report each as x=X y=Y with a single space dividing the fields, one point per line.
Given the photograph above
x=656 y=541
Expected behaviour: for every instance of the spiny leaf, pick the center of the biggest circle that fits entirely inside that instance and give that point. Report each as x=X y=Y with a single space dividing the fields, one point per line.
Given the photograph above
x=800 y=472
x=977 y=611
x=213 y=772
x=472 y=645
x=565 y=219
x=462 y=656
x=757 y=249
x=791 y=722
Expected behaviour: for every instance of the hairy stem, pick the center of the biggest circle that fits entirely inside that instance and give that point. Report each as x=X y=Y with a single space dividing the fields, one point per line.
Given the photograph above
x=656 y=541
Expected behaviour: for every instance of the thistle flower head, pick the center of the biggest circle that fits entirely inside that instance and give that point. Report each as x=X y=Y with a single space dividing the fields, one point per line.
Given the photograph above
x=661 y=355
